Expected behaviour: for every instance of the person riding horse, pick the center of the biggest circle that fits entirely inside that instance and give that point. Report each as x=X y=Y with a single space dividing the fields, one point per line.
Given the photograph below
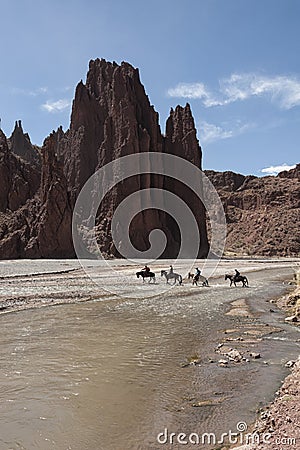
x=237 y=278
x=146 y=269
x=198 y=278
x=171 y=275
x=237 y=274
x=197 y=272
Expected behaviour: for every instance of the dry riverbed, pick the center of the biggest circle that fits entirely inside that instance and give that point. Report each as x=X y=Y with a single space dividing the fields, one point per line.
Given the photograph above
x=211 y=355
x=26 y=284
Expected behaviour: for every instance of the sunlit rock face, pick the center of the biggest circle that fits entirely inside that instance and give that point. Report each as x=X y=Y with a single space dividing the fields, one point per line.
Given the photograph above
x=262 y=214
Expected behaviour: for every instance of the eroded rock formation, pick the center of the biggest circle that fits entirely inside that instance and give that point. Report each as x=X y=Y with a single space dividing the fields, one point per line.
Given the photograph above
x=19 y=143
x=263 y=214
x=111 y=117
x=19 y=180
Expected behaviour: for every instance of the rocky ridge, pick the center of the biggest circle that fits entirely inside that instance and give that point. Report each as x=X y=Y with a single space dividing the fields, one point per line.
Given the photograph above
x=262 y=214
x=111 y=117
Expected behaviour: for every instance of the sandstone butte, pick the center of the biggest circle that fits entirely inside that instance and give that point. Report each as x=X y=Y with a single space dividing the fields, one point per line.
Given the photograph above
x=112 y=117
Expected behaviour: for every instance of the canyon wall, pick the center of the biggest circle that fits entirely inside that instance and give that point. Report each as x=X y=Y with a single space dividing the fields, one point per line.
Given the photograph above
x=111 y=117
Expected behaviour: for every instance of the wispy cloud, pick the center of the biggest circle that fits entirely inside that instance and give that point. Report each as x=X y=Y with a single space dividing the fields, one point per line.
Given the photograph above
x=56 y=106
x=67 y=88
x=283 y=90
x=274 y=170
x=30 y=92
x=210 y=132
x=193 y=91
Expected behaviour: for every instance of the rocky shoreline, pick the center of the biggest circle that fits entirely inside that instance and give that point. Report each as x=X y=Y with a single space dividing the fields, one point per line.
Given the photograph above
x=278 y=425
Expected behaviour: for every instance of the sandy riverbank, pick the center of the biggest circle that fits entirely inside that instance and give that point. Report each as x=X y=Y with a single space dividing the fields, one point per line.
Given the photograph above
x=26 y=284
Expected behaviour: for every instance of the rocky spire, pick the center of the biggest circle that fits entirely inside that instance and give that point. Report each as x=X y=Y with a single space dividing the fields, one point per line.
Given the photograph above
x=4 y=172
x=20 y=144
x=181 y=135
x=181 y=140
x=111 y=117
x=19 y=180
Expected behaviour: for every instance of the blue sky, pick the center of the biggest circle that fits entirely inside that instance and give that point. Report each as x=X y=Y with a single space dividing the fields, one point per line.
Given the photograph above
x=235 y=61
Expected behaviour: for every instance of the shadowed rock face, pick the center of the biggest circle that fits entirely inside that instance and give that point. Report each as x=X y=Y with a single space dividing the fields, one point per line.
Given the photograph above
x=111 y=117
x=50 y=228
x=19 y=180
x=19 y=143
x=263 y=214
x=40 y=227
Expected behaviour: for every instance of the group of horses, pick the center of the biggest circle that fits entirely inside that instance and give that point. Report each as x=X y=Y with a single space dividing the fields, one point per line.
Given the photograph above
x=168 y=275
x=176 y=277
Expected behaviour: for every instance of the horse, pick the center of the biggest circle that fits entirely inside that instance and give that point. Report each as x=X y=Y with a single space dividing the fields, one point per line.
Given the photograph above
x=170 y=275
x=197 y=278
x=239 y=279
x=145 y=274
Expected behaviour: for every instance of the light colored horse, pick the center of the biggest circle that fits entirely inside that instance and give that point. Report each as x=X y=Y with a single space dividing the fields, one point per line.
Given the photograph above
x=171 y=276
x=198 y=278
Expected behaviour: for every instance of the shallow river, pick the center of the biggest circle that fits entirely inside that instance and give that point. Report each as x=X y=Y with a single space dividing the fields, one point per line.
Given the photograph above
x=108 y=374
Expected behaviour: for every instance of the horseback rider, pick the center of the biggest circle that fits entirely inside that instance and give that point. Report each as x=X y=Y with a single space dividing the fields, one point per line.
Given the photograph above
x=197 y=272
x=146 y=269
x=171 y=269
x=236 y=275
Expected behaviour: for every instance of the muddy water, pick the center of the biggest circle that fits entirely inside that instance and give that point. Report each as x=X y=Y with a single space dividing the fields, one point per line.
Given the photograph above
x=108 y=374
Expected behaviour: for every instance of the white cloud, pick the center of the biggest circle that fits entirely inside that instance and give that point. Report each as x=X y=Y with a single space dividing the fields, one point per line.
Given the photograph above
x=42 y=90
x=57 y=106
x=281 y=89
x=193 y=91
x=274 y=170
x=31 y=93
x=210 y=132
x=238 y=87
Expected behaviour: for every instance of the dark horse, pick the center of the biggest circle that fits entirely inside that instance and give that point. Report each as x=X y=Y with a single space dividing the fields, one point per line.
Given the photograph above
x=197 y=278
x=145 y=274
x=239 y=279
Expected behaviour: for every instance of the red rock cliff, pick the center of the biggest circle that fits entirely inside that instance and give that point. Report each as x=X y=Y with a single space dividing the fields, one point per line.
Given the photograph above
x=262 y=214
x=111 y=117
